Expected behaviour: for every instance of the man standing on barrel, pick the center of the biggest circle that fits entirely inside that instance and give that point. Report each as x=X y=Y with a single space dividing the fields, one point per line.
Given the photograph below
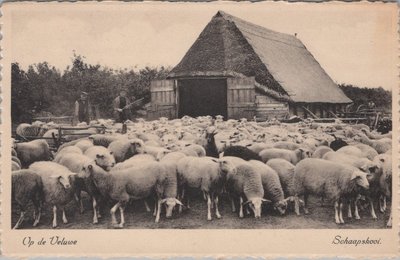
x=122 y=107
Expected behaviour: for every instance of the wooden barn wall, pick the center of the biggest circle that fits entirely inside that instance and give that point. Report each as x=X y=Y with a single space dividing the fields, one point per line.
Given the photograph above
x=321 y=110
x=163 y=99
x=268 y=108
x=241 y=97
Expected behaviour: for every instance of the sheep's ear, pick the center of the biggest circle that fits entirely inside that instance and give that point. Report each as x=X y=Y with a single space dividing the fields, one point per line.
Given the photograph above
x=55 y=176
x=356 y=174
x=178 y=202
x=266 y=201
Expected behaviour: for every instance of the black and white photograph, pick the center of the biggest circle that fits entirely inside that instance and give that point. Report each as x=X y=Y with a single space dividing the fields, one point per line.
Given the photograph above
x=202 y=116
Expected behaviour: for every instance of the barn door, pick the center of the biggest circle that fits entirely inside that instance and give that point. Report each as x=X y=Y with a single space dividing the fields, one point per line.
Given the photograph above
x=163 y=99
x=241 y=97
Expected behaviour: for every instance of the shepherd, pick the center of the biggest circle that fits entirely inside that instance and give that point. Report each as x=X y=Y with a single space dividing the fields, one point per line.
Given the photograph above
x=83 y=109
x=122 y=107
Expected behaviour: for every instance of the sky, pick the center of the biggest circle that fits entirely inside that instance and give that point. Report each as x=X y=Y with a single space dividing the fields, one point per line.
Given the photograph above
x=356 y=43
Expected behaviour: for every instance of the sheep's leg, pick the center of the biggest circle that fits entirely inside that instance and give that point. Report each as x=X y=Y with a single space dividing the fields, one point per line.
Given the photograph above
x=216 y=207
x=296 y=205
x=95 y=218
x=121 y=211
x=212 y=200
x=38 y=209
x=208 y=207
x=337 y=213
x=382 y=204
x=371 y=203
x=112 y=211
x=341 y=212
x=20 y=220
x=306 y=204
x=79 y=201
x=349 y=213
x=181 y=199
x=158 y=210
x=147 y=206
x=389 y=223
x=155 y=209
x=233 y=205
x=54 y=216
x=356 y=215
x=64 y=218
x=241 y=207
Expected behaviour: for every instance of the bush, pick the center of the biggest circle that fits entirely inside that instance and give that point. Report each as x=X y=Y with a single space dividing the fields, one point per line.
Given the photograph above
x=44 y=88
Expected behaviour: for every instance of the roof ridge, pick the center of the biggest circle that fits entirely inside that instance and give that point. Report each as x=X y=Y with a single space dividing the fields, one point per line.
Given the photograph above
x=238 y=21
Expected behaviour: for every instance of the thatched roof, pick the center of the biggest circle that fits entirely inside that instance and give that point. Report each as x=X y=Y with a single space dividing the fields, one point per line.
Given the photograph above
x=280 y=63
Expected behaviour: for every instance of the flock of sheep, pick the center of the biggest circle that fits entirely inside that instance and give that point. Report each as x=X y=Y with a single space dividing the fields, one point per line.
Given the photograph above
x=164 y=161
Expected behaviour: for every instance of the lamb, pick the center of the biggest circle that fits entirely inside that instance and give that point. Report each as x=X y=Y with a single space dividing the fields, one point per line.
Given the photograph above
x=320 y=151
x=337 y=143
x=102 y=156
x=351 y=150
x=329 y=180
x=58 y=186
x=291 y=156
x=27 y=186
x=241 y=152
x=205 y=173
x=379 y=145
x=133 y=183
x=272 y=186
x=84 y=145
x=122 y=149
x=33 y=151
x=245 y=182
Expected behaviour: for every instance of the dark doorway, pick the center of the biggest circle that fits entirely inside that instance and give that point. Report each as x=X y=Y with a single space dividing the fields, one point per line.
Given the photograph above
x=202 y=97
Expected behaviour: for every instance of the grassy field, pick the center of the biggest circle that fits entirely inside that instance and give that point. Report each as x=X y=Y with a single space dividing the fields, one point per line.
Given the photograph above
x=320 y=217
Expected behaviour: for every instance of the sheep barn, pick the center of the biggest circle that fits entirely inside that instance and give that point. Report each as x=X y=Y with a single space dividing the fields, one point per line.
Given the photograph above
x=241 y=70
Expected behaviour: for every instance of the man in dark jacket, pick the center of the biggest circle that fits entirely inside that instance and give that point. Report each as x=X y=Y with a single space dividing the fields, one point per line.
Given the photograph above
x=122 y=107
x=83 y=110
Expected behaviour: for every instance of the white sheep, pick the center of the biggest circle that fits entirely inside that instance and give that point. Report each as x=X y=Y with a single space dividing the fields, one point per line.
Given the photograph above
x=206 y=174
x=33 y=151
x=291 y=156
x=320 y=151
x=27 y=186
x=84 y=144
x=67 y=150
x=102 y=156
x=58 y=186
x=330 y=180
x=379 y=145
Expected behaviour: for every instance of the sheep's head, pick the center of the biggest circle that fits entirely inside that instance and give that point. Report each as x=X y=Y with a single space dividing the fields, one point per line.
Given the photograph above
x=281 y=206
x=170 y=204
x=304 y=153
x=105 y=160
x=161 y=154
x=226 y=166
x=64 y=180
x=255 y=205
x=138 y=145
x=361 y=179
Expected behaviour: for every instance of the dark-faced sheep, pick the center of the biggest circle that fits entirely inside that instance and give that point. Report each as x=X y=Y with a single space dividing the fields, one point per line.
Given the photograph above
x=27 y=186
x=337 y=143
x=329 y=180
x=241 y=152
x=33 y=151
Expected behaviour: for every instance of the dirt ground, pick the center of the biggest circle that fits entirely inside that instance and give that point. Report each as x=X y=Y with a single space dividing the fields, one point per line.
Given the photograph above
x=320 y=217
